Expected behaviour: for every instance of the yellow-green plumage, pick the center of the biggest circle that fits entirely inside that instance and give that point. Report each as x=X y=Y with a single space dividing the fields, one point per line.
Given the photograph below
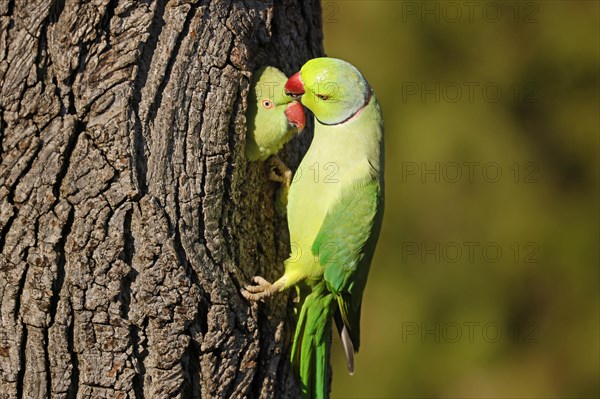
x=334 y=220
x=335 y=208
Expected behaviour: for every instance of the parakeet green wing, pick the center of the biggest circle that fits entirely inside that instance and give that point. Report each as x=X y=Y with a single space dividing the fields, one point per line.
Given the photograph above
x=345 y=246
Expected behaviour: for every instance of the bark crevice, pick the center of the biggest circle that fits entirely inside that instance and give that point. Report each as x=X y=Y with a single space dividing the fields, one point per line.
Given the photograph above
x=37 y=146
x=146 y=50
x=139 y=357
x=109 y=13
x=22 y=358
x=74 y=382
x=78 y=129
x=56 y=10
x=4 y=231
x=59 y=248
x=47 y=366
x=19 y=293
x=172 y=57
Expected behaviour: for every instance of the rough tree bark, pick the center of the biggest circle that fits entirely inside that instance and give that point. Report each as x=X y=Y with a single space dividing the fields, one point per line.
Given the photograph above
x=129 y=217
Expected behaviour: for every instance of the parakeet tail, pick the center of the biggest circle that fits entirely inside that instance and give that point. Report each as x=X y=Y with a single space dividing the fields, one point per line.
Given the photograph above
x=346 y=342
x=312 y=341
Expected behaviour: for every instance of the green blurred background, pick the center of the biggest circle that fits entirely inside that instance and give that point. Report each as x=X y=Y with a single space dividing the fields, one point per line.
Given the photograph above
x=485 y=283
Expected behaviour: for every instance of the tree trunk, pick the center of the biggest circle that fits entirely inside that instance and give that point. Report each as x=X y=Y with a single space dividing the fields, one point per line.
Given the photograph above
x=129 y=217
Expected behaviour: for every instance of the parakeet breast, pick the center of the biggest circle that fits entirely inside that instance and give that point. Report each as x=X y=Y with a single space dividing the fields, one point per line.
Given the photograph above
x=339 y=156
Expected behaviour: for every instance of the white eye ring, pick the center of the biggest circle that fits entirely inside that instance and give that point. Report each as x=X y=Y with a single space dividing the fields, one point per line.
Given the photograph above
x=267 y=104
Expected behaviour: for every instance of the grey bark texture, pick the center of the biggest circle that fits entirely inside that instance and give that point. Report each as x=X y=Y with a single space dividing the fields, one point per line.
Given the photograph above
x=129 y=217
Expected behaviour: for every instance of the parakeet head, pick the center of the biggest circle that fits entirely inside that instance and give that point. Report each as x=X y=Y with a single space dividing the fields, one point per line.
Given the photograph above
x=334 y=90
x=272 y=116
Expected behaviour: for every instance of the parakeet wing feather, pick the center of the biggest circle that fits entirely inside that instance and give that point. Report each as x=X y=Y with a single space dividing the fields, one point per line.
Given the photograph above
x=345 y=245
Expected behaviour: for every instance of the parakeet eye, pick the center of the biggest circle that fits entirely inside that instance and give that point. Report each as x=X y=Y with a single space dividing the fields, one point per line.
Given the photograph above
x=323 y=97
x=267 y=104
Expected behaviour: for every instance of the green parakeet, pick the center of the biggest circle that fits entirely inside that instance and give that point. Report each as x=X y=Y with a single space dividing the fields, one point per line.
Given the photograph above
x=272 y=119
x=334 y=212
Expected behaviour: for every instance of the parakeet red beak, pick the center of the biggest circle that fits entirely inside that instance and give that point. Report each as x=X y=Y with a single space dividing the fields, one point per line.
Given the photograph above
x=295 y=115
x=294 y=85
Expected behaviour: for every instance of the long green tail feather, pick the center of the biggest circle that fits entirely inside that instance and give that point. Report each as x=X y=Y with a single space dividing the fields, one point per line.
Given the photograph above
x=312 y=341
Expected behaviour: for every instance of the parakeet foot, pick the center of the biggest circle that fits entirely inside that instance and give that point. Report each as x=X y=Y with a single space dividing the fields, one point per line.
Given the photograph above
x=279 y=172
x=262 y=290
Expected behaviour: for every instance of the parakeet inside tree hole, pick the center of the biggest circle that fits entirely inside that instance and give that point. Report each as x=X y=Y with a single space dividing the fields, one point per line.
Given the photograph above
x=272 y=119
x=334 y=220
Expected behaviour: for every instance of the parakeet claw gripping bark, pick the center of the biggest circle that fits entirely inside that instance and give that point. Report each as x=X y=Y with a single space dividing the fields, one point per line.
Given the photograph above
x=279 y=172
x=262 y=290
